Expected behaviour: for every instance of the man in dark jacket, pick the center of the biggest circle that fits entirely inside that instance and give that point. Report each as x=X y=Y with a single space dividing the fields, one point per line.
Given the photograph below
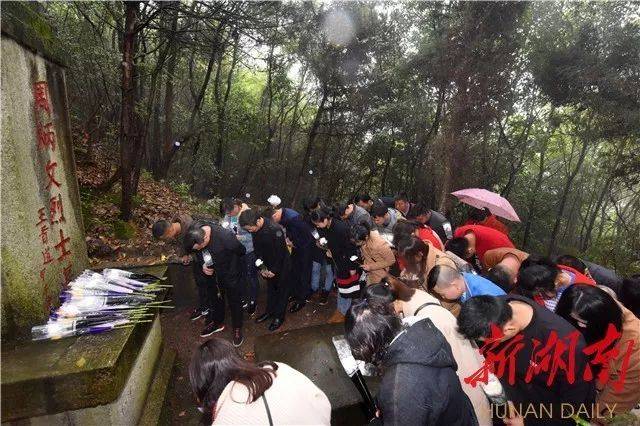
x=353 y=214
x=434 y=220
x=173 y=232
x=420 y=385
x=520 y=318
x=219 y=253
x=274 y=262
x=301 y=238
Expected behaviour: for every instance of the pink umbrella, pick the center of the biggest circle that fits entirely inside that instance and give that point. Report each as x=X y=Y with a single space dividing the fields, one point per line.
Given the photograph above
x=481 y=198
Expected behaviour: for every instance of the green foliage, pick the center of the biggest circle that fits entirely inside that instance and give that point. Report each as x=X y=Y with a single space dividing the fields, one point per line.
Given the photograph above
x=123 y=230
x=209 y=208
x=87 y=198
x=183 y=189
x=427 y=97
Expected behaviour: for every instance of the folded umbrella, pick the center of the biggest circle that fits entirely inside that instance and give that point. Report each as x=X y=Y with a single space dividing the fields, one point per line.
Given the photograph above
x=481 y=198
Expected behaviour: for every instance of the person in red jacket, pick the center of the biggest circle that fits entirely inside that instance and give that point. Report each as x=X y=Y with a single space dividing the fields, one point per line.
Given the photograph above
x=480 y=239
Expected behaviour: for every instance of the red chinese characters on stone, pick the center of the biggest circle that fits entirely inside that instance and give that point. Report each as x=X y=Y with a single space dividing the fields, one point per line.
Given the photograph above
x=56 y=209
x=46 y=256
x=46 y=136
x=549 y=358
x=44 y=236
x=41 y=96
x=603 y=352
x=50 y=168
x=497 y=362
x=62 y=247
x=42 y=217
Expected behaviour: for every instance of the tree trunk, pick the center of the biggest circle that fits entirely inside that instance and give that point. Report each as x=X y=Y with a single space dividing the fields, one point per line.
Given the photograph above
x=191 y=129
x=532 y=199
x=167 y=131
x=565 y=194
x=222 y=107
x=313 y=133
x=129 y=139
x=385 y=171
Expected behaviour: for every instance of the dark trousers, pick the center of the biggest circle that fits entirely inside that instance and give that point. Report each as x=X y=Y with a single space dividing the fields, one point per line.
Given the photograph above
x=302 y=265
x=250 y=277
x=213 y=290
x=202 y=284
x=278 y=295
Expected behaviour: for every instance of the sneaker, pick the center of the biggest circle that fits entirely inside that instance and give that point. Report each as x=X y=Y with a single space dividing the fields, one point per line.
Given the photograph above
x=197 y=314
x=251 y=308
x=296 y=306
x=211 y=328
x=324 y=298
x=238 y=338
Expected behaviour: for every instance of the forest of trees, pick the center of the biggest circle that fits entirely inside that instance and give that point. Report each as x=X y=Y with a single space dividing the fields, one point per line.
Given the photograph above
x=537 y=101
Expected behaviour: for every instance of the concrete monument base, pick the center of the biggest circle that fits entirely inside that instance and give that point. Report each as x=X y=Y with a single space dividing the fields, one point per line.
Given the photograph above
x=115 y=378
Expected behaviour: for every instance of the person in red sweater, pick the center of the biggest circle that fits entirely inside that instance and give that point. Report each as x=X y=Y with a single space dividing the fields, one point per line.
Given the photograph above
x=484 y=217
x=479 y=239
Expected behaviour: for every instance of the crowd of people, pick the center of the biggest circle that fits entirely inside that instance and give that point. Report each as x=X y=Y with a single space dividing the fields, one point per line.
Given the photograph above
x=430 y=306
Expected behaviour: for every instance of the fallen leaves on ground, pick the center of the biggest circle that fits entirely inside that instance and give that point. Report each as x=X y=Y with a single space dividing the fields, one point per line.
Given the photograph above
x=154 y=201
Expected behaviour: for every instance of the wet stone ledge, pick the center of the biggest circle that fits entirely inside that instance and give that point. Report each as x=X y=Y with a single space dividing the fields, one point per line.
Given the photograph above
x=49 y=377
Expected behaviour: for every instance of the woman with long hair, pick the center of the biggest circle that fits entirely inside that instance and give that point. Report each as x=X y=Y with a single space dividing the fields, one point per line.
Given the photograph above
x=420 y=258
x=603 y=320
x=233 y=391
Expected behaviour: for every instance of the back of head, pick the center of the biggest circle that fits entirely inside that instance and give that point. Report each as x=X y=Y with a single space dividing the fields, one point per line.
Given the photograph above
x=572 y=262
x=595 y=308
x=360 y=232
x=412 y=246
x=501 y=277
x=379 y=210
x=441 y=276
x=216 y=363
x=537 y=278
x=228 y=204
x=403 y=229
x=458 y=246
x=379 y=293
x=364 y=198
x=339 y=209
x=195 y=235
x=321 y=214
x=416 y=210
x=630 y=294
x=479 y=313
x=401 y=196
x=536 y=259
x=159 y=228
x=477 y=215
x=248 y=218
x=311 y=203
x=370 y=328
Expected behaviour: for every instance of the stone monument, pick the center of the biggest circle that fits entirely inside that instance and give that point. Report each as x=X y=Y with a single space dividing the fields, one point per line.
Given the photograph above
x=43 y=244
x=116 y=378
